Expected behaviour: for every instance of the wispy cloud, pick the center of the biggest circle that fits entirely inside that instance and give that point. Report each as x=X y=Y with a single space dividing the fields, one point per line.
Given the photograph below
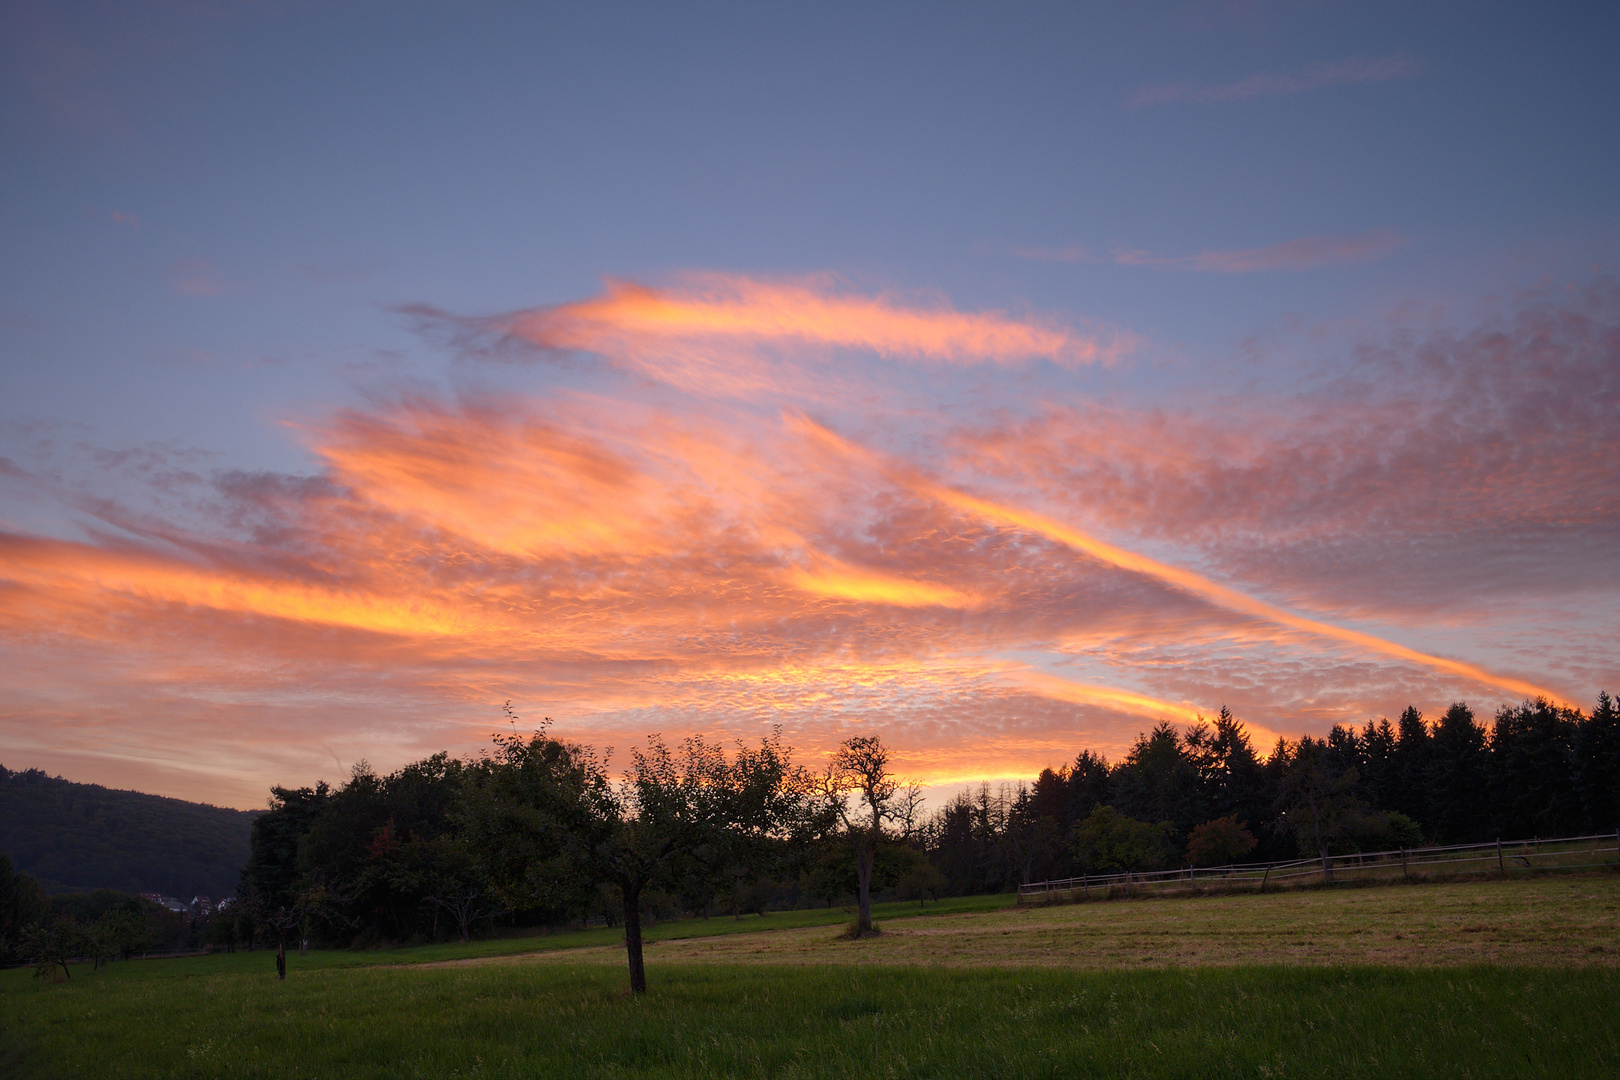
x=1270 y=84
x=1484 y=458
x=717 y=309
x=195 y=275
x=729 y=336
x=1301 y=253
x=1069 y=253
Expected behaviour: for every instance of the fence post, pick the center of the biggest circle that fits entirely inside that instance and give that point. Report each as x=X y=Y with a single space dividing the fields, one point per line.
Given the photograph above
x=1264 y=877
x=1327 y=867
x=1500 y=868
x=1404 y=875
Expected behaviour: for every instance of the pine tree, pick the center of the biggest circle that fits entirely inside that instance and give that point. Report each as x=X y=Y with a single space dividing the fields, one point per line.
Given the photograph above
x=1458 y=795
x=1410 y=765
x=1597 y=766
x=1090 y=785
x=1531 y=770
x=1378 y=768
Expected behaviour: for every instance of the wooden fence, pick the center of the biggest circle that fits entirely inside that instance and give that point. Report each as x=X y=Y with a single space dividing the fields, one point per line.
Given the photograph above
x=1497 y=857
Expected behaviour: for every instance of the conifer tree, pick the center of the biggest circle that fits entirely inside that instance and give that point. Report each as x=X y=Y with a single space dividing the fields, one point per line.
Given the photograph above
x=1458 y=796
x=1597 y=765
x=1531 y=770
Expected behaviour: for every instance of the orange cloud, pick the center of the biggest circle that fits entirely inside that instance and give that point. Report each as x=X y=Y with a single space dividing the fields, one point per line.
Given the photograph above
x=1152 y=708
x=628 y=561
x=1226 y=597
x=722 y=311
x=60 y=573
x=843 y=582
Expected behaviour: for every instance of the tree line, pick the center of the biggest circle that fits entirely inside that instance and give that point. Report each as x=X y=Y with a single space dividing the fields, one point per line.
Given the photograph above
x=1207 y=796
x=535 y=832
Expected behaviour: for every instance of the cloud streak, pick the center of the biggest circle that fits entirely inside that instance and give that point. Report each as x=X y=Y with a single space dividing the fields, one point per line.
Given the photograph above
x=738 y=337
x=1301 y=253
x=1349 y=72
x=717 y=309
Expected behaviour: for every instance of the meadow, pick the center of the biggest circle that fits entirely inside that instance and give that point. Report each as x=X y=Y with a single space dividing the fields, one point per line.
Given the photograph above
x=1493 y=978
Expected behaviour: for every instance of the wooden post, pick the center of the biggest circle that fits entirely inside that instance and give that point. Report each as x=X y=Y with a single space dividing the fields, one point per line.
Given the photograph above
x=1500 y=868
x=1404 y=874
x=1264 y=877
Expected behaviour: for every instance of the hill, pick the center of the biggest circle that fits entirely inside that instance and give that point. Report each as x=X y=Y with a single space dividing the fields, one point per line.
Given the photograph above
x=74 y=837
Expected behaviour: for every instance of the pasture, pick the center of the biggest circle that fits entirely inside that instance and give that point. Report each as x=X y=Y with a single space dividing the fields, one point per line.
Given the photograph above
x=1503 y=978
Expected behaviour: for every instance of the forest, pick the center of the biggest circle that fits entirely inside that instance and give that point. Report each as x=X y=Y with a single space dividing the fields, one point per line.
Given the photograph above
x=75 y=837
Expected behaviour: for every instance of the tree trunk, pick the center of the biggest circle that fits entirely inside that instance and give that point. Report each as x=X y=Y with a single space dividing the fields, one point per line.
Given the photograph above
x=863 y=874
x=632 y=936
x=281 y=959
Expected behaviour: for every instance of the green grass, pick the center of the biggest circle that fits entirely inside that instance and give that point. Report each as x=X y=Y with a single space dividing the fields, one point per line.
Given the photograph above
x=165 y=1020
x=1359 y=982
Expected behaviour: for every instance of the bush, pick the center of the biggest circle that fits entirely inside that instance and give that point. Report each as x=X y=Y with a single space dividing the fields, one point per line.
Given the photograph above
x=1220 y=842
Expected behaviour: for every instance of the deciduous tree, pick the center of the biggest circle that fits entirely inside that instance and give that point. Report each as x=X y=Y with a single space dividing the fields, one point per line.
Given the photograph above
x=861 y=768
x=547 y=826
x=1220 y=842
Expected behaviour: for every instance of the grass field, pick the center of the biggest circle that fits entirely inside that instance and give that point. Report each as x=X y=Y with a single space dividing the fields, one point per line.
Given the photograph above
x=1484 y=979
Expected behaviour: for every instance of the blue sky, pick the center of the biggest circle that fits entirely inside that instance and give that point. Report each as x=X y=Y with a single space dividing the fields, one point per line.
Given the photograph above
x=215 y=220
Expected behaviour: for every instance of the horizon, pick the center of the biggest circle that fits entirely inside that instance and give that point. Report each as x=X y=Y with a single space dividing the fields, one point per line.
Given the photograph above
x=1001 y=383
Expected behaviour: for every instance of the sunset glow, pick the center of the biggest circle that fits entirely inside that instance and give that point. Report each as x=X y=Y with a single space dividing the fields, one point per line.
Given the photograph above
x=1002 y=425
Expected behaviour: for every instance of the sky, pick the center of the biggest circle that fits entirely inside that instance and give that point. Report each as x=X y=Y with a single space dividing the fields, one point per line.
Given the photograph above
x=1002 y=380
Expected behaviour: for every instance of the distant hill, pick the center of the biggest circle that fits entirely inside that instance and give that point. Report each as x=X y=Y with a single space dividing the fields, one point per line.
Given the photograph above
x=73 y=837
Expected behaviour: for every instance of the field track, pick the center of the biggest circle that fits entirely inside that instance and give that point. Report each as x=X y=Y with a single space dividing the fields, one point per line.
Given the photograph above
x=1542 y=922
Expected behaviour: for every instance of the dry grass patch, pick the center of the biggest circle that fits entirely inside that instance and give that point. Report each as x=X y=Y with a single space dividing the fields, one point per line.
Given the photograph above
x=1545 y=922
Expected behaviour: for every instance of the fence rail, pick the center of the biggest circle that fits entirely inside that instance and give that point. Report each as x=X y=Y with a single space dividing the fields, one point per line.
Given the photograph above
x=1497 y=857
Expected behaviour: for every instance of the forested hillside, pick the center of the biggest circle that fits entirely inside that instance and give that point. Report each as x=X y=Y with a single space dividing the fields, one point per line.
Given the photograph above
x=74 y=837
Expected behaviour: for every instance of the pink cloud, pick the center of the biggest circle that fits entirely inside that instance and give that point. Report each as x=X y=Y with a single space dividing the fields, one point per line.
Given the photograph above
x=1071 y=253
x=124 y=219
x=1352 y=71
x=195 y=276
x=1442 y=472
x=1304 y=253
